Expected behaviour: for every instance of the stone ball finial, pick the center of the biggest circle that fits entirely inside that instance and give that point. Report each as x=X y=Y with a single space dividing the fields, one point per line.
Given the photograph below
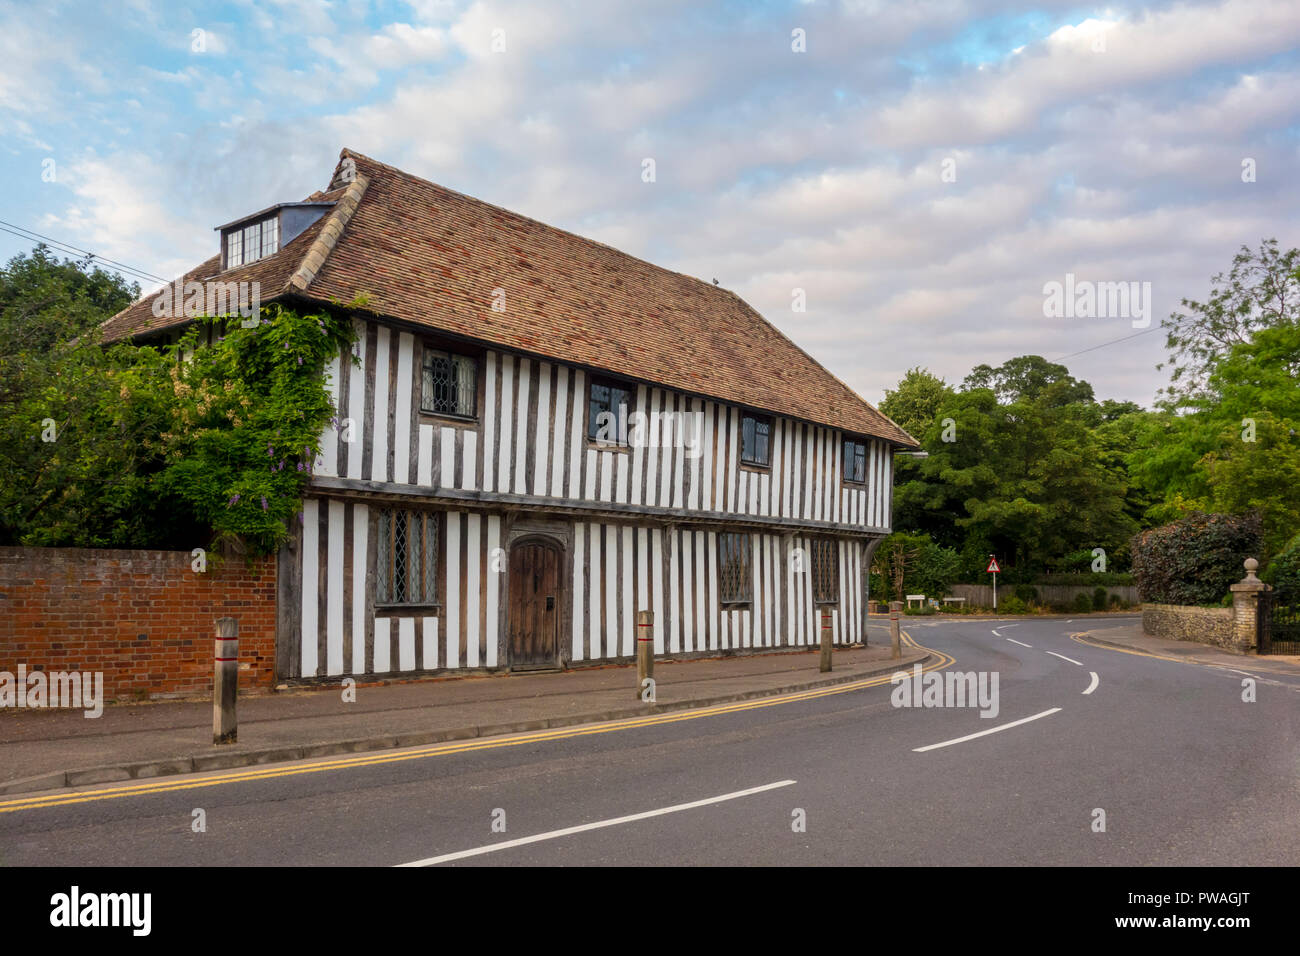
x=1251 y=565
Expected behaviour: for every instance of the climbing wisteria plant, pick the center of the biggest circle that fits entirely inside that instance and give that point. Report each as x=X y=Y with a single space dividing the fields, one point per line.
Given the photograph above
x=244 y=417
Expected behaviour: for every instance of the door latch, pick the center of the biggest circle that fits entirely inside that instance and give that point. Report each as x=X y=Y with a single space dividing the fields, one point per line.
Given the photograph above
x=550 y=602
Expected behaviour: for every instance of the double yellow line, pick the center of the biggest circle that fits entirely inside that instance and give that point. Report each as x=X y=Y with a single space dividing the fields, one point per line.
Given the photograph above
x=440 y=750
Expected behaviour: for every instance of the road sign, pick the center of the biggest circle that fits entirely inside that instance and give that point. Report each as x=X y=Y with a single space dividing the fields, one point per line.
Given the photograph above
x=993 y=565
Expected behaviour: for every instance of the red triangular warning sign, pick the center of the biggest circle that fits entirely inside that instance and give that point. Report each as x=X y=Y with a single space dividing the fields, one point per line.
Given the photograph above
x=993 y=565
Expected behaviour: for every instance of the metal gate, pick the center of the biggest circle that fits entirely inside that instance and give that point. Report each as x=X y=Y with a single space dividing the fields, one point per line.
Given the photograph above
x=1278 y=623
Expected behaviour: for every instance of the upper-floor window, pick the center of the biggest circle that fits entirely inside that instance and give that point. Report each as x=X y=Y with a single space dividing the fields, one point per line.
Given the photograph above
x=855 y=460
x=608 y=406
x=252 y=241
x=824 y=555
x=408 y=557
x=756 y=440
x=450 y=384
x=735 y=577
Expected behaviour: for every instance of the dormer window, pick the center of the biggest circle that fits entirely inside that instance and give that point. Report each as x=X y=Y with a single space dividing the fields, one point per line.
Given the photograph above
x=265 y=233
x=252 y=241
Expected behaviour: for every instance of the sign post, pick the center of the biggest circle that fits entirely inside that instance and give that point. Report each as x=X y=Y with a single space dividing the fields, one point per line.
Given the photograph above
x=994 y=569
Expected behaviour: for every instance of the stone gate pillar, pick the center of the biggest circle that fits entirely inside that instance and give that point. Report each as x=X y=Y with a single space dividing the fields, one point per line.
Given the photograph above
x=1245 y=610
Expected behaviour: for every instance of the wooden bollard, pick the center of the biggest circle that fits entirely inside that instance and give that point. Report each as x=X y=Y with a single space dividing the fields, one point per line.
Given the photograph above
x=645 y=653
x=826 y=641
x=897 y=646
x=225 y=681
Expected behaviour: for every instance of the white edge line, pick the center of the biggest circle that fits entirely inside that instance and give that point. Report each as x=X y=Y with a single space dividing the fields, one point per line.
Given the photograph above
x=1095 y=681
x=985 y=733
x=1021 y=643
x=1008 y=625
x=598 y=825
x=1064 y=658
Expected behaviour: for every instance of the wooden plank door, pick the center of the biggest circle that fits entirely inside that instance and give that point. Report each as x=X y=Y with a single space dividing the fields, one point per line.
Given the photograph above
x=534 y=605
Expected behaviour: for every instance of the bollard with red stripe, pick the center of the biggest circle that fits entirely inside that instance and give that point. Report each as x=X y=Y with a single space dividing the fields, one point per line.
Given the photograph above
x=225 y=681
x=645 y=651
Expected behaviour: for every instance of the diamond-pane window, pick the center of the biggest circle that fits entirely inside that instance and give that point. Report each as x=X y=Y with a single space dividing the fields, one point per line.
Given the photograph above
x=735 y=580
x=755 y=440
x=824 y=557
x=450 y=384
x=407 y=560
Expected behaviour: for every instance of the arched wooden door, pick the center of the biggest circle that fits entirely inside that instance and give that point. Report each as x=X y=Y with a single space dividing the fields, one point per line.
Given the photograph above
x=534 y=605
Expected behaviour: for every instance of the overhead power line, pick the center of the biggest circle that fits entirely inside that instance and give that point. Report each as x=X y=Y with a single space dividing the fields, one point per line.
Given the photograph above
x=67 y=247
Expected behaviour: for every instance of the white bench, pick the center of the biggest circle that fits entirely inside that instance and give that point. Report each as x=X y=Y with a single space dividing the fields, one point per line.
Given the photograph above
x=954 y=600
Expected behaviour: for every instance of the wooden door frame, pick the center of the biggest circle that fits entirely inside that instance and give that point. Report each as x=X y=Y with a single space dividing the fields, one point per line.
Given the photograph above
x=552 y=543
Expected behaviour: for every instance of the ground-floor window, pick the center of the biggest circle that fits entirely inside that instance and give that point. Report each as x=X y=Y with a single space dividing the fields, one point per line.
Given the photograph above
x=824 y=554
x=735 y=577
x=407 y=565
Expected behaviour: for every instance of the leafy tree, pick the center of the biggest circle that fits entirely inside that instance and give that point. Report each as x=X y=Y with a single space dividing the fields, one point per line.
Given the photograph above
x=912 y=564
x=71 y=444
x=1030 y=378
x=1026 y=477
x=915 y=402
x=1261 y=290
x=131 y=446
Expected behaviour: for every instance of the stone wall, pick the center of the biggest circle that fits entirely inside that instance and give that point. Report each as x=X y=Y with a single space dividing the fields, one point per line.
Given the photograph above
x=1204 y=625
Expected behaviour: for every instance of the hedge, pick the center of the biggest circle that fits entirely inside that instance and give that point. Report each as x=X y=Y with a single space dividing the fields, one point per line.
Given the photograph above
x=1196 y=559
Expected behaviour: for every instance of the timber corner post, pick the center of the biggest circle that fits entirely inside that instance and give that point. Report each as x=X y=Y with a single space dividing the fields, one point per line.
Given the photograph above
x=895 y=643
x=1247 y=596
x=225 y=681
x=645 y=659
x=826 y=641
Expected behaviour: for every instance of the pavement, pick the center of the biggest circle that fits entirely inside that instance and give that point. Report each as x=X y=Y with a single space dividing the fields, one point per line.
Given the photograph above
x=1096 y=755
x=48 y=749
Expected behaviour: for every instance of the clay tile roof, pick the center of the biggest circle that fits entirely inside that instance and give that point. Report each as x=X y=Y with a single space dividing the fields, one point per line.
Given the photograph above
x=433 y=257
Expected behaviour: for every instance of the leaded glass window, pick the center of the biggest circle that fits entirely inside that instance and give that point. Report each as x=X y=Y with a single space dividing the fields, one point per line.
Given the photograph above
x=824 y=557
x=450 y=385
x=735 y=577
x=408 y=557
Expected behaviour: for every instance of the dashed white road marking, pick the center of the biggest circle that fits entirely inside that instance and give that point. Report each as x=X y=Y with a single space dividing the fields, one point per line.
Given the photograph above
x=995 y=633
x=1095 y=681
x=985 y=733
x=598 y=825
x=1064 y=658
x=1021 y=643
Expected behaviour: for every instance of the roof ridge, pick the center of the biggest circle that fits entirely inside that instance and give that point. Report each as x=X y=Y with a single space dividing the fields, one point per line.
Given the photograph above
x=314 y=259
x=586 y=240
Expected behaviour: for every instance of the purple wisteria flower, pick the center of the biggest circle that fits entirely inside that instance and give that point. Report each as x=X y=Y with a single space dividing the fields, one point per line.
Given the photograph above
x=264 y=502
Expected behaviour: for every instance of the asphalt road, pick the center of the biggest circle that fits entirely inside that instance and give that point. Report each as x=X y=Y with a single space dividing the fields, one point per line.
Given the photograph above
x=1185 y=771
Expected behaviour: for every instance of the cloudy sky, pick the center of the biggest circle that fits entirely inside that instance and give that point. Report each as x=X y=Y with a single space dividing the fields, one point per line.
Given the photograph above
x=920 y=170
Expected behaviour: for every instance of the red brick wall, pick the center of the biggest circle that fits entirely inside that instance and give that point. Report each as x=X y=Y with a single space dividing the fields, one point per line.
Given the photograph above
x=143 y=618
